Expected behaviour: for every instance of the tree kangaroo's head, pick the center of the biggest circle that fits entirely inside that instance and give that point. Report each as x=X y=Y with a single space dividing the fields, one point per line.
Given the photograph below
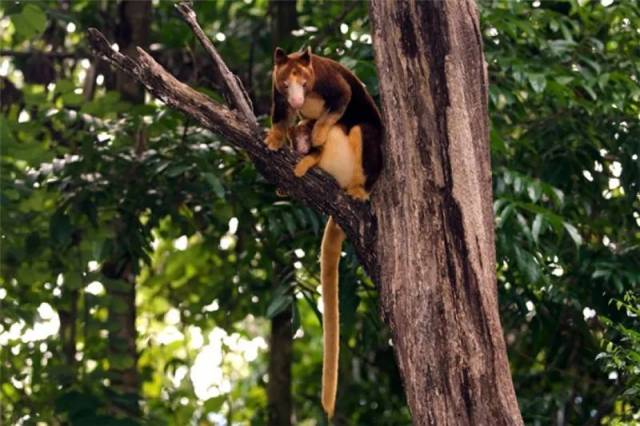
x=293 y=75
x=300 y=136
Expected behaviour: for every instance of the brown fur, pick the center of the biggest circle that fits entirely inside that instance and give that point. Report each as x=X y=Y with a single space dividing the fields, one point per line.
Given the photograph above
x=330 y=258
x=342 y=135
x=344 y=100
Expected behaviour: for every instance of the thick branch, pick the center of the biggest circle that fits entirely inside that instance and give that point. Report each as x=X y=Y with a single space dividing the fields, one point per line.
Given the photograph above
x=234 y=92
x=315 y=189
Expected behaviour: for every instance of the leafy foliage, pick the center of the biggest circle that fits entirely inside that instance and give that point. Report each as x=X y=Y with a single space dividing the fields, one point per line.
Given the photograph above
x=564 y=100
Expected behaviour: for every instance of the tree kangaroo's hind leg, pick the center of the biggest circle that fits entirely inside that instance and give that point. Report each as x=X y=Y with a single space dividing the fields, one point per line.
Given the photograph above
x=307 y=162
x=356 y=186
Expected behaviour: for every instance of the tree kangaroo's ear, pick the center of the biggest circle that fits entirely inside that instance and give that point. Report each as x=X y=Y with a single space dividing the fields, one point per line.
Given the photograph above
x=305 y=58
x=279 y=57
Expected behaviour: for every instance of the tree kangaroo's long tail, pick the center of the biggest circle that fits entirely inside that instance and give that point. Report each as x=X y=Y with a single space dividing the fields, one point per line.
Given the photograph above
x=329 y=262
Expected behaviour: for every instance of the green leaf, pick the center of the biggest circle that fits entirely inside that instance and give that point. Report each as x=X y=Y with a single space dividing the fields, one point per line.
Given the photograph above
x=302 y=218
x=65 y=86
x=177 y=170
x=504 y=215
x=590 y=91
x=279 y=304
x=215 y=184
x=6 y=134
x=538 y=82
x=535 y=228
x=315 y=225
x=289 y=223
x=312 y=304
x=31 y=22
x=564 y=80
x=213 y=405
x=282 y=298
x=295 y=317
x=601 y=273
x=73 y=280
x=593 y=64
x=573 y=233
x=60 y=229
x=121 y=361
x=528 y=265
x=72 y=99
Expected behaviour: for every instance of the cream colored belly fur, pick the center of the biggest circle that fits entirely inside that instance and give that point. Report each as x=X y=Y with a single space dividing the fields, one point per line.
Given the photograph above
x=338 y=159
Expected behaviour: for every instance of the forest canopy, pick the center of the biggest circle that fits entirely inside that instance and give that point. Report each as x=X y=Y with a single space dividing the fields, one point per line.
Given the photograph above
x=146 y=264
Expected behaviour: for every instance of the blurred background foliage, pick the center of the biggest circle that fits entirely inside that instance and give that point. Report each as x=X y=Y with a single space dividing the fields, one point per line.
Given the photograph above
x=146 y=266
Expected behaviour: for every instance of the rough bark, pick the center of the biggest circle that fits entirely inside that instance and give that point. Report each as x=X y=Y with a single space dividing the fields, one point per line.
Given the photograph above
x=435 y=218
x=434 y=261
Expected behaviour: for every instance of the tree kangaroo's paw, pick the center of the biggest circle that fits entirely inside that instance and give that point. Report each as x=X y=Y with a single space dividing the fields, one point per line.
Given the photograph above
x=358 y=193
x=274 y=140
x=301 y=168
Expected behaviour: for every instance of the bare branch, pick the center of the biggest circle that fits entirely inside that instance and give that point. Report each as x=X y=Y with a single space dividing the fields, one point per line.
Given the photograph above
x=234 y=92
x=315 y=189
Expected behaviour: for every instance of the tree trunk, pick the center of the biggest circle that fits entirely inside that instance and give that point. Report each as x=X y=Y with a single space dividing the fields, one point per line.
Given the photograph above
x=68 y=312
x=284 y=18
x=279 y=402
x=123 y=354
x=433 y=202
x=132 y=31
